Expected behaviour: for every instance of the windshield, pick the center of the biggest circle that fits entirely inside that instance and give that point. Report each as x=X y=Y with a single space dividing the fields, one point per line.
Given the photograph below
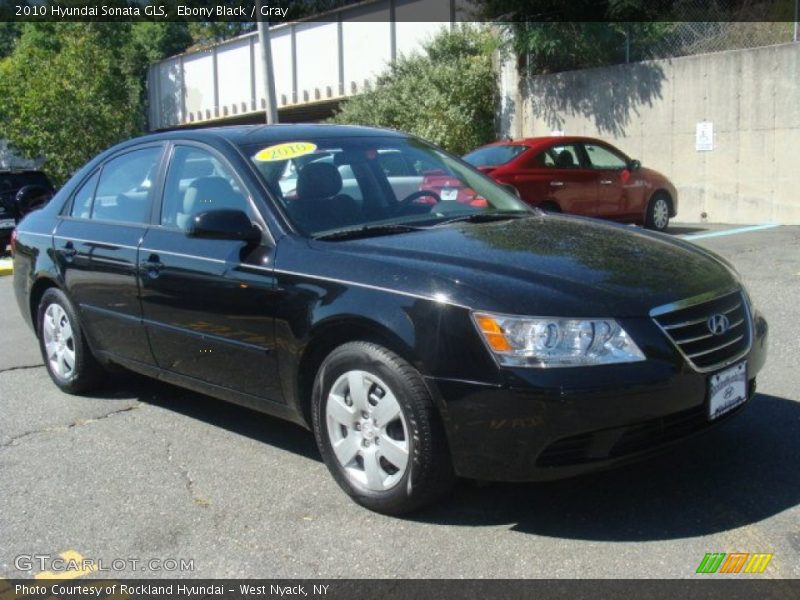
x=335 y=184
x=494 y=156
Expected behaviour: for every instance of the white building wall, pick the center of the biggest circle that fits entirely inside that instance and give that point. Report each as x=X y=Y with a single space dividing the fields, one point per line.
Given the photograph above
x=198 y=70
x=234 y=76
x=317 y=58
x=306 y=60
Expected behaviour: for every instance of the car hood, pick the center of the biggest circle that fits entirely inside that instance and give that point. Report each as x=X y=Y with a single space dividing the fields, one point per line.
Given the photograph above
x=546 y=265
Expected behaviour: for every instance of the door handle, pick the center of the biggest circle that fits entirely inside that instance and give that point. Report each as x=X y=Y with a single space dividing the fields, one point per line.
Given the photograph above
x=152 y=266
x=69 y=251
x=606 y=182
x=556 y=183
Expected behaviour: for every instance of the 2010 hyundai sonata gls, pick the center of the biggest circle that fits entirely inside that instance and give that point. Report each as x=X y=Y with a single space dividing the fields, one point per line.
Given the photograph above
x=291 y=269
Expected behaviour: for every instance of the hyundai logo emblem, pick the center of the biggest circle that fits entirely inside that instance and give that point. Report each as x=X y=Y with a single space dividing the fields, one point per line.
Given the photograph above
x=718 y=324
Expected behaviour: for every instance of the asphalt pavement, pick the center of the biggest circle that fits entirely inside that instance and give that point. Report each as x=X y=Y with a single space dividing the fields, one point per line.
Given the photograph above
x=151 y=473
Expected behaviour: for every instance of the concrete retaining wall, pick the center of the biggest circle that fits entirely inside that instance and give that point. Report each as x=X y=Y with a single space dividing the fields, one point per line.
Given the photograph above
x=651 y=110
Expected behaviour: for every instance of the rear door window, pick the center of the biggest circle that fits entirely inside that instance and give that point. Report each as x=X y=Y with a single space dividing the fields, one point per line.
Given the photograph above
x=126 y=182
x=560 y=156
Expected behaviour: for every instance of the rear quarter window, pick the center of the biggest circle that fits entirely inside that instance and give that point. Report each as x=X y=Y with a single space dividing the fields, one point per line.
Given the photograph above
x=82 y=201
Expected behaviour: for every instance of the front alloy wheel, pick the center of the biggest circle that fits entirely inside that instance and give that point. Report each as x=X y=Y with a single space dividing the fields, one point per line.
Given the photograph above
x=378 y=430
x=367 y=430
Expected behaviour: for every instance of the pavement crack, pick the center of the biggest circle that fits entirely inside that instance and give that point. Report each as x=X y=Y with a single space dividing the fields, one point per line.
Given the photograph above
x=186 y=476
x=14 y=440
x=21 y=368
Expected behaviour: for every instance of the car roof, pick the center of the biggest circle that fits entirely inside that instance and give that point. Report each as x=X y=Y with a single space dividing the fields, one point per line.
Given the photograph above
x=269 y=134
x=545 y=139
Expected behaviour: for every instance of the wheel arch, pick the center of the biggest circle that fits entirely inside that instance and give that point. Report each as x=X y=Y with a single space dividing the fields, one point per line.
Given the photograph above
x=326 y=337
x=38 y=289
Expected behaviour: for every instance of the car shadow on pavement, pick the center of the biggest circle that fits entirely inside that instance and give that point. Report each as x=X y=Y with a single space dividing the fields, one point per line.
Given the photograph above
x=236 y=419
x=685 y=229
x=742 y=473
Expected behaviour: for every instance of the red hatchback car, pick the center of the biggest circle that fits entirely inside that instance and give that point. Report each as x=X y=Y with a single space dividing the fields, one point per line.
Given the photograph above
x=580 y=175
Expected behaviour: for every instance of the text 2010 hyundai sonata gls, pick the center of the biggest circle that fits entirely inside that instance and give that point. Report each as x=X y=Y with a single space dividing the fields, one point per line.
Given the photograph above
x=292 y=270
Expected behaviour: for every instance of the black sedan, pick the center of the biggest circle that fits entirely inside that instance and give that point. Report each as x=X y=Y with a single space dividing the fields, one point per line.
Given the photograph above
x=20 y=191
x=421 y=335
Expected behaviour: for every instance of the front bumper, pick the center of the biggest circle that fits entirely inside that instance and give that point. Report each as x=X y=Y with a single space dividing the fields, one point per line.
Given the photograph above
x=566 y=422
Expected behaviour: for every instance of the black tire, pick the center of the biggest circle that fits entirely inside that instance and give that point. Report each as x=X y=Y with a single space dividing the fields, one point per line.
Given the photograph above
x=428 y=473
x=87 y=373
x=658 y=209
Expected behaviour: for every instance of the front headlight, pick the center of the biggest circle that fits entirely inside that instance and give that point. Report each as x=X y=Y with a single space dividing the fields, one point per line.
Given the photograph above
x=555 y=342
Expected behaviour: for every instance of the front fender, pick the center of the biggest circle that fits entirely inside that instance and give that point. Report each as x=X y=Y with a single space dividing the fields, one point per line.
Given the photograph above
x=316 y=315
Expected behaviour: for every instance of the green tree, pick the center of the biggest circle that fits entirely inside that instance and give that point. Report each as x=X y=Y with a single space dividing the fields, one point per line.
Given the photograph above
x=65 y=102
x=447 y=95
x=551 y=35
x=9 y=32
x=70 y=90
x=150 y=42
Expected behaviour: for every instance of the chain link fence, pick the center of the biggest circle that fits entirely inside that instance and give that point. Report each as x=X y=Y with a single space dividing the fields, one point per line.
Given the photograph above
x=704 y=26
x=686 y=31
x=688 y=38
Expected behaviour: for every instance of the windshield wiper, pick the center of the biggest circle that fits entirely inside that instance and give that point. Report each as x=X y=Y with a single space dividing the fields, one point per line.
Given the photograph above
x=486 y=217
x=393 y=228
x=368 y=231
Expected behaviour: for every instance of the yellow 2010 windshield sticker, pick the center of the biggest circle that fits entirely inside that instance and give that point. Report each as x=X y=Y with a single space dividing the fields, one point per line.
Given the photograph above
x=285 y=151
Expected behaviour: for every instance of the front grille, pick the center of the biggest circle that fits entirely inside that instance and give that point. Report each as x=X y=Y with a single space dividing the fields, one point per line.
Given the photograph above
x=687 y=328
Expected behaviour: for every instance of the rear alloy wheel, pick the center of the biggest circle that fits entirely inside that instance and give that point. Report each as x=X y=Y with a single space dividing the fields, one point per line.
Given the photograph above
x=59 y=341
x=658 y=212
x=67 y=356
x=378 y=431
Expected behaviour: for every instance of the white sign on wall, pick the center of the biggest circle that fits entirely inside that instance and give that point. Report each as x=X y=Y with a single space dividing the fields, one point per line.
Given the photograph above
x=704 y=137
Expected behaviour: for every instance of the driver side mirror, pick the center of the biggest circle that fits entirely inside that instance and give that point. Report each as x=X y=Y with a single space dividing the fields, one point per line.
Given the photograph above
x=224 y=224
x=30 y=198
x=634 y=164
